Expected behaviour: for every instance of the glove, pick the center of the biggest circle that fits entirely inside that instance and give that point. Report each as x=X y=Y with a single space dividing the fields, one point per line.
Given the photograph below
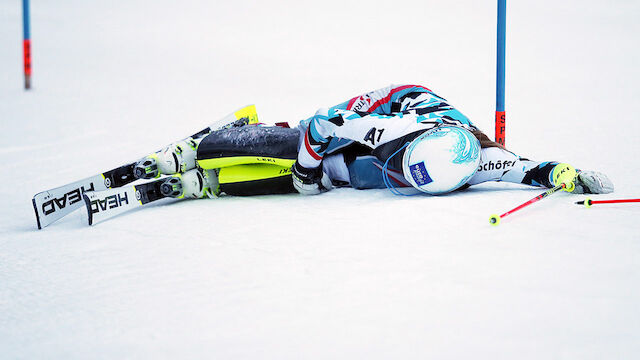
x=310 y=181
x=564 y=174
x=592 y=182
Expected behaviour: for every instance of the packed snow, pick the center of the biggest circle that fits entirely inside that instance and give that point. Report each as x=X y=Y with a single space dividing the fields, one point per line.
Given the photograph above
x=344 y=275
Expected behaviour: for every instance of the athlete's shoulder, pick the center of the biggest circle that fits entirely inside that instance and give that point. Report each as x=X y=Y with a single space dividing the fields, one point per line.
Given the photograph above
x=380 y=100
x=395 y=91
x=409 y=87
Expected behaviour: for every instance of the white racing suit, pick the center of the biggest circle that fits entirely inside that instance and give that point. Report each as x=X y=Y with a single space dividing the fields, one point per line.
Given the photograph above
x=353 y=139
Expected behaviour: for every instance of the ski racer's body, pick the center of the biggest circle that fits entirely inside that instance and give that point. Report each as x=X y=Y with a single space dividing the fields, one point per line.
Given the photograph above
x=383 y=121
x=348 y=144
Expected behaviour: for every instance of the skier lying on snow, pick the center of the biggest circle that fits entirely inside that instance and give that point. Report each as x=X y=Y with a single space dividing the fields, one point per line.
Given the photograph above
x=397 y=136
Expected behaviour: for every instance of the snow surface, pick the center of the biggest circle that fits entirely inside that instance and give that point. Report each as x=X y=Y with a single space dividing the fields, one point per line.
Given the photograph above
x=348 y=274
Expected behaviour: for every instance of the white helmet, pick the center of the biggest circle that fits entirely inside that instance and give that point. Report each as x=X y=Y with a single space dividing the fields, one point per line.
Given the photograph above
x=441 y=159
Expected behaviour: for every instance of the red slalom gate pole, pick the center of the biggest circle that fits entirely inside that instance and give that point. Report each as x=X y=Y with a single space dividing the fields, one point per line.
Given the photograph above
x=588 y=202
x=500 y=124
x=26 y=43
x=495 y=219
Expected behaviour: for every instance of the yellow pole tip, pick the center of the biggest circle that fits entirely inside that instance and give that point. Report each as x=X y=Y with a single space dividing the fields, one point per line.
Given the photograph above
x=587 y=203
x=570 y=187
x=494 y=220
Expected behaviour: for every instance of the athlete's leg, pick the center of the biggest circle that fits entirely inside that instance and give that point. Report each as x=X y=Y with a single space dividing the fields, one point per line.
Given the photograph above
x=248 y=145
x=252 y=160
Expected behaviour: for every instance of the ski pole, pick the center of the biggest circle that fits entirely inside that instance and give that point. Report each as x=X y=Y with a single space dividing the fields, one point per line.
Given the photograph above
x=495 y=219
x=588 y=202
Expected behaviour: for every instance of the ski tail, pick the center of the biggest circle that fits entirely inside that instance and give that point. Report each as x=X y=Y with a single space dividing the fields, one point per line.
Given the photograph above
x=247 y=115
x=53 y=204
x=105 y=204
x=35 y=208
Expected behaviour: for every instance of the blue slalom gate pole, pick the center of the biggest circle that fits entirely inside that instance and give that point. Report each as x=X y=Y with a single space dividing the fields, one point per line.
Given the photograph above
x=26 y=43
x=500 y=112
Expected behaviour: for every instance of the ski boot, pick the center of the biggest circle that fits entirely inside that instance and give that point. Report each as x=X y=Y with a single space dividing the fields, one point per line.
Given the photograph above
x=195 y=183
x=176 y=158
